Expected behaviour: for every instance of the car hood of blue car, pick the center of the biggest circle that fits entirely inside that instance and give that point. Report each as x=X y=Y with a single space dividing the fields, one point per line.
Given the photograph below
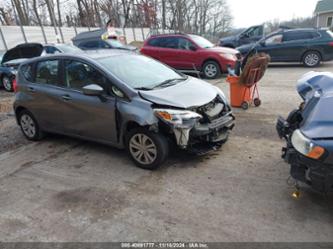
x=246 y=48
x=317 y=91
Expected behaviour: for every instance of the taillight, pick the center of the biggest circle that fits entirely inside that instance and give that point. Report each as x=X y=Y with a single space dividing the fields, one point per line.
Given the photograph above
x=14 y=85
x=330 y=44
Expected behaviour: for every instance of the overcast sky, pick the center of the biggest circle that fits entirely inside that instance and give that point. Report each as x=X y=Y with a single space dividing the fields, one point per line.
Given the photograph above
x=252 y=12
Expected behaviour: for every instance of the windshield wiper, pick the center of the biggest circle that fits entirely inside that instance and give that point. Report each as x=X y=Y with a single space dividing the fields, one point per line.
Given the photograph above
x=170 y=82
x=143 y=88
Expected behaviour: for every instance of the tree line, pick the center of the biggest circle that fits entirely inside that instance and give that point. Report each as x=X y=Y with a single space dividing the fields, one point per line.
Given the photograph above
x=192 y=16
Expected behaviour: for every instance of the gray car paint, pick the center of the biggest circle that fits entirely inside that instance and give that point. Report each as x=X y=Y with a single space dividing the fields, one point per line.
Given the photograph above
x=183 y=94
x=69 y=117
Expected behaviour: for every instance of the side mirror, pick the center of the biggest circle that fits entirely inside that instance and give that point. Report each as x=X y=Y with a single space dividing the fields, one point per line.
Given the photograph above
x=93 y=90
x=262 y=43
x=193 y=48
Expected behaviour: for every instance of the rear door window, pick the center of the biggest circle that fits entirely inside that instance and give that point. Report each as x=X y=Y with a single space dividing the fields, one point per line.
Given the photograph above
x=275 y=39
x=47 y=72
x=184 y=44
x=27 y=72
x=299 y=36
x=171 y=42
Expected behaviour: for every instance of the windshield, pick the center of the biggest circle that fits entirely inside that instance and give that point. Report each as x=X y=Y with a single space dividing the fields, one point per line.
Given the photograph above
x=68 y=48
x=115 y=43
x=202 y=42
x=138 y=71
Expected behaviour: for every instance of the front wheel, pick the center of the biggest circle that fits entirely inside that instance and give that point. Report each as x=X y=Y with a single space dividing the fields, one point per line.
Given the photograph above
x=7 y=83
x=147 y=149
x=312 y=59
x=211 y=70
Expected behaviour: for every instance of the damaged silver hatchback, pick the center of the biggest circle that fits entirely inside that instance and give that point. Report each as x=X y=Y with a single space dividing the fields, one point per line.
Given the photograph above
x=121 y=99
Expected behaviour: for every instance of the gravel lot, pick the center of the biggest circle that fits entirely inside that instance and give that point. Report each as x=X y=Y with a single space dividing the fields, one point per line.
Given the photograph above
x=63 y=189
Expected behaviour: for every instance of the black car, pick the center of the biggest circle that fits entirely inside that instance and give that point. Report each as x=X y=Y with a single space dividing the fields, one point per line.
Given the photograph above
x=12 y=59
x=250 y=35
x=308 y=46
x=98 y=39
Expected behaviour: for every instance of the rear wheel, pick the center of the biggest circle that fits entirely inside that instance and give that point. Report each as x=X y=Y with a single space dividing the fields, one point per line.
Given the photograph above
x=7 y=83
x=311 y=59
x=147 y=149
x=29 y=126
x=211 y=70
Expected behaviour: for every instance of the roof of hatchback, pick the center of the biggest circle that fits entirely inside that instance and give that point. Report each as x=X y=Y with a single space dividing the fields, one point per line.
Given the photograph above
x=101 y=53
x=91 y=54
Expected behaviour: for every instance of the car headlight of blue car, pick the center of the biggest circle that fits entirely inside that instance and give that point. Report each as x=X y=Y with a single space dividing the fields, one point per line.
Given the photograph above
x=305 y=146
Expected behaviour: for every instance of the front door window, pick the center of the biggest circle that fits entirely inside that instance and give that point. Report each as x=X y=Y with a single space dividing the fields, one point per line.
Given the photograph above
x=79 y=75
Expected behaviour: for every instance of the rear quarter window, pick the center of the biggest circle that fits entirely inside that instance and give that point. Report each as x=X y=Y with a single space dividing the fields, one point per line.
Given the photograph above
x=27 y=72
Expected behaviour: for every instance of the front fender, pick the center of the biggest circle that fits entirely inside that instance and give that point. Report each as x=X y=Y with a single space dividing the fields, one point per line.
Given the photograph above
x=137 y=111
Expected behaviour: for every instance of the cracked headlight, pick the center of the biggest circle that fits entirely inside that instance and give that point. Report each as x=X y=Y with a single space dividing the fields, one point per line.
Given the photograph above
x=305 y=146
x=176 y=117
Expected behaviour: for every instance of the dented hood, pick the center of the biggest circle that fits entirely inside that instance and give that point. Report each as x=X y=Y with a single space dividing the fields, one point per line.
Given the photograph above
x=315 y=82
x=23 y=51
x=317 y=91
x=190 y=93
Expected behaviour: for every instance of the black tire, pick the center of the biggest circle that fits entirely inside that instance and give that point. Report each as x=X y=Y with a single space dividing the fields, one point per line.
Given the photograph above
x=211 y=70
x=25 y=117
x=257 y=102
x=160 y=142
x=312 y=59
x=7 y=83
x=245 y=105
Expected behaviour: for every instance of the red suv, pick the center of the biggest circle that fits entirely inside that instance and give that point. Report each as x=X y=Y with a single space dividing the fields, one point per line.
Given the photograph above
x=190 y=53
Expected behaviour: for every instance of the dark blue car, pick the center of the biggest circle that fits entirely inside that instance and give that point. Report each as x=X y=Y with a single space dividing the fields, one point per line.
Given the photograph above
x=309 y=133
x=307 y=46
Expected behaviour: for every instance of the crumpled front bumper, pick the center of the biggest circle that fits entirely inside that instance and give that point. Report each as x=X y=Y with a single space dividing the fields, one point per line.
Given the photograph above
x=315 y=173
x=202 y=138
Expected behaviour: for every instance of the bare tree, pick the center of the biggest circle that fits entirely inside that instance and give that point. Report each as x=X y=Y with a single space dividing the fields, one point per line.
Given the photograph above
x=35 y=9
x=5 y=16
x=21 y=11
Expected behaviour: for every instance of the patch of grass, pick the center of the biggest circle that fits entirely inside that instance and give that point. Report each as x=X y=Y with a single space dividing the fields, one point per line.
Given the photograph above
x=138 y=44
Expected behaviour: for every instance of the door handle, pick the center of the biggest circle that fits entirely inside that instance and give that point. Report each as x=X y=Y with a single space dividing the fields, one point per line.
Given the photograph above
x=31 y=89
x=66 y=98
